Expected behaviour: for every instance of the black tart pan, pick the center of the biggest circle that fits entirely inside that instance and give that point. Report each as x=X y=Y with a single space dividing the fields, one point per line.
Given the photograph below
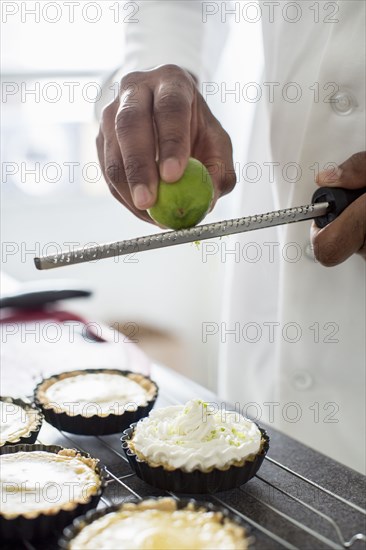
x=45 y=525
x=195 y=482
x=33 y=433
x=95 y=424
x=73 y=530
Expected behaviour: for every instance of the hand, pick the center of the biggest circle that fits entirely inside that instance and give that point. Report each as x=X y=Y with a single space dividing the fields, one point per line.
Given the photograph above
x=158 y=121
x=346 y=235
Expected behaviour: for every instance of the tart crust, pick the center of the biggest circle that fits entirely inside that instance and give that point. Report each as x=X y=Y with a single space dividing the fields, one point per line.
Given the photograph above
x=34 y=421
x=41 y=390
x=197 y=481
x=234 y=526
x=95 y=424
x=71 y=505
x=44 y=523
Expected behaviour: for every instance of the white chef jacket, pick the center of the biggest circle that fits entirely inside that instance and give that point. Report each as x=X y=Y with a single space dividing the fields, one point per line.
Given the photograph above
x=295 y=356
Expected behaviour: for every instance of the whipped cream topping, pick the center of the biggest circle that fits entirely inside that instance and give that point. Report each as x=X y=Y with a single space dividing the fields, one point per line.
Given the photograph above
x=39 y=481
x=135 y=528
x=96 y=393
x=194 y=436
x=15 y=422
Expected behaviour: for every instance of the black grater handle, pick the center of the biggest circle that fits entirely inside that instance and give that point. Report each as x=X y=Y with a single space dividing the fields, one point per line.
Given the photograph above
x=338 y=199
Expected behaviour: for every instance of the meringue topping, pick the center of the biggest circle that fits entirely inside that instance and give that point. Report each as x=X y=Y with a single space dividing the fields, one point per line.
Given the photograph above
x=195 y=436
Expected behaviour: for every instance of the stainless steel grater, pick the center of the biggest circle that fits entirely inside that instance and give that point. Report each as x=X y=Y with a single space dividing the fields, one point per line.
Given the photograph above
x=171 y=238
x=327 y=204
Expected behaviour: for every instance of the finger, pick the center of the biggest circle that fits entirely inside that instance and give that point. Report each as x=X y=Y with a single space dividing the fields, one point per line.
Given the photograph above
x=138 y=213
x=172 y=113
x=128 y=203
x=143 y=215
x=113 y=163
x=100 y=149
x=135 y=135
x=345 y=236
x=101 y=156
x=112 y=167
x=221 y=169
x=103 y=153
x=351 y=174
x=222 y=175
x=215 y=151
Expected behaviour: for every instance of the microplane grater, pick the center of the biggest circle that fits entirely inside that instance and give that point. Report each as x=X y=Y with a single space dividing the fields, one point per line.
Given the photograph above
x=327 y=204
x=171 y=238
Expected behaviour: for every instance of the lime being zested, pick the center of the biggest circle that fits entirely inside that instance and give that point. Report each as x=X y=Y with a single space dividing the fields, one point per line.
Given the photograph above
x=184 y=203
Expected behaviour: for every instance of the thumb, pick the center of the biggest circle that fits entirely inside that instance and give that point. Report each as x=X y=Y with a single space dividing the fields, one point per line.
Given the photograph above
x=351 y=174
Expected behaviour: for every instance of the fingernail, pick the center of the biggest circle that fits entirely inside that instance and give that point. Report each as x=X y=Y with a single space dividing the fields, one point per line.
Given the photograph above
x=141 y=197
x=171 y=170
x=333 y=175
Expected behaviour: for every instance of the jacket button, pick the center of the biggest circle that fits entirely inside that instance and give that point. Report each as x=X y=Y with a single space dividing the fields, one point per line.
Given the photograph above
x=343 y=103
x=302 y=380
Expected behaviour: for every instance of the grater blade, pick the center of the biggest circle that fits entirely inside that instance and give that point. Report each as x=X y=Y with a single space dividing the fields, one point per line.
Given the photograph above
x=171 y=238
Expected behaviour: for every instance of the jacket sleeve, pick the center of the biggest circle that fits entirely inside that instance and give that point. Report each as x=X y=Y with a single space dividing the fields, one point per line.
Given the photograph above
x=187 y=33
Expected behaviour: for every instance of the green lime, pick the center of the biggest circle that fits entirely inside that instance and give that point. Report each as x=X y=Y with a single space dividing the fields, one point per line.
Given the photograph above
x=184 y=203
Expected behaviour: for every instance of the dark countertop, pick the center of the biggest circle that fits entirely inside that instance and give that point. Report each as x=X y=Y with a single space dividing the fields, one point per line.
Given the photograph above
x=299 y=499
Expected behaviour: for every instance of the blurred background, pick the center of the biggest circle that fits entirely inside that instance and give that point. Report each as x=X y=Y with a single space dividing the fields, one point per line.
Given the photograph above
x=53 y=193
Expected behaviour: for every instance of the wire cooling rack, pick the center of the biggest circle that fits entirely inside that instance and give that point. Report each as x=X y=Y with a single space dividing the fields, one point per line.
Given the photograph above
x=283 y=508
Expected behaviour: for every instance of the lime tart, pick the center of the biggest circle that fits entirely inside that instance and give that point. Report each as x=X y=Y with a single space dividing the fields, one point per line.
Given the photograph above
x=157 y=524
x=195 y=448
x=95 y=401
x=20 y=422
x=44 y=487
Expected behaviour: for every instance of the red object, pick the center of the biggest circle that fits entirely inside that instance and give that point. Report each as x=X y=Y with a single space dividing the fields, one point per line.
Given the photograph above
x=40 y=343
x=29 y=315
